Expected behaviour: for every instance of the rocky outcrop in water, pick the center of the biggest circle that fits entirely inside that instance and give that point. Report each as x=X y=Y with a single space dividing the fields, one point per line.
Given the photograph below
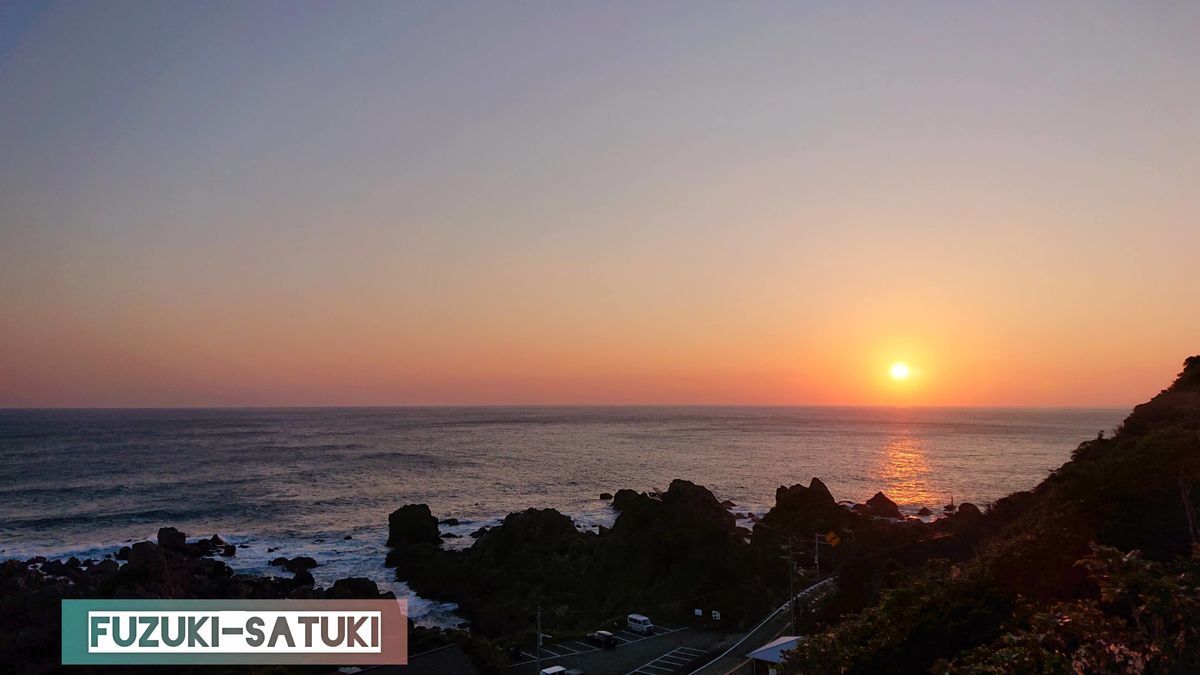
x=799 y=512
x=661 y=550
x=174 y=540
x=624 y=498
x=881 y=506
x=295 y=565
x=412 y=524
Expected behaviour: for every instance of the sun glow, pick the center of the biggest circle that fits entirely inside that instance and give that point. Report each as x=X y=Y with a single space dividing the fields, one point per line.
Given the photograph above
x=900 y=371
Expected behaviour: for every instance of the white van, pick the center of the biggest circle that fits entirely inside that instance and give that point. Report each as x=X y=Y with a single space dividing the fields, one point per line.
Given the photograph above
x=639 y=624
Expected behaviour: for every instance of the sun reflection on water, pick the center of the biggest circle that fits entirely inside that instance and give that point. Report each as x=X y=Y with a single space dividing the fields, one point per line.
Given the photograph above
x=904 y=472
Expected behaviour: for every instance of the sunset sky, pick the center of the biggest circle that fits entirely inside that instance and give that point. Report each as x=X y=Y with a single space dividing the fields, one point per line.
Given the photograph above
x=235 y=203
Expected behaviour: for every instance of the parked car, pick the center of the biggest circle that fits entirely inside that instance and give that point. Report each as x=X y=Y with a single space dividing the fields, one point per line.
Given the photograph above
x=639 y=624
x=602 y=638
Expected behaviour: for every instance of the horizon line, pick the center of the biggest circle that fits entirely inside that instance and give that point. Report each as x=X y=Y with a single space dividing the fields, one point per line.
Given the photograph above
x=388 y=406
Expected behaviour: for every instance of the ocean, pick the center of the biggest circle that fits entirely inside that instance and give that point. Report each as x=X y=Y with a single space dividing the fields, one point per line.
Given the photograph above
x=299 y=481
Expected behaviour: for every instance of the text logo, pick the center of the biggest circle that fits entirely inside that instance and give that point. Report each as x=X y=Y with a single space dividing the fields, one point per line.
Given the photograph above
x=234 y=631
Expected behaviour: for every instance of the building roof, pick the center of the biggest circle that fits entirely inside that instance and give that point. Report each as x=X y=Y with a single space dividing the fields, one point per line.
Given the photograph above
x=448 y=660
x=772 y=652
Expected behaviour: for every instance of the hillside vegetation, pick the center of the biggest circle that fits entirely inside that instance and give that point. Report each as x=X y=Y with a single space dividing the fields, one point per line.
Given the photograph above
x=1097 y=569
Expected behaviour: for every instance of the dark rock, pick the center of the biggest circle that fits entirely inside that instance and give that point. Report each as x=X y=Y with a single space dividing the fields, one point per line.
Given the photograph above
x=625 y=498
x=347 y=538
x=353 y=588
x=680 y=543
x=304 y=578
x=412 y=524
x=301 y=562
x=480 y=532
x=814 y=498
x=295 y=565
x=740 y=516
x=202 y=547
x=449 y=521
x=228 y=550
x=728 y=504
x=123 y=553
x=606 y=496
x=819 y=490
x=968 y=510
x=883 y=507
x=171 y=538
x=146 y=561
x=798 y=512
x=671 y=547
x=449 y=535
x=924 y=511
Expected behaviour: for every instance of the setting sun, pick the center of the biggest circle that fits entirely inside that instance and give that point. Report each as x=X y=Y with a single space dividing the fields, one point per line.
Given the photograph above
x=900 y=371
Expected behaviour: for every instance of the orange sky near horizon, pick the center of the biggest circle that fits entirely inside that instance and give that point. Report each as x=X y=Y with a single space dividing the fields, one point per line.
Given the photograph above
x=220 y=206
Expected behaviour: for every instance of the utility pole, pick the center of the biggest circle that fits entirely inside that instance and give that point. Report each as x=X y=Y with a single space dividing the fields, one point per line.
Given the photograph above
x=538 y=649
x=791 y=586
x=817 y=553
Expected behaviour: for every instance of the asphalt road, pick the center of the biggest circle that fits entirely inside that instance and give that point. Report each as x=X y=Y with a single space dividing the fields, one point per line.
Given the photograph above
x=773 y=626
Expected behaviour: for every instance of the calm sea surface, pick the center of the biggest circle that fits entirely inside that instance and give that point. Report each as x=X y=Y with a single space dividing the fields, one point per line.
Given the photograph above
x=85 y=481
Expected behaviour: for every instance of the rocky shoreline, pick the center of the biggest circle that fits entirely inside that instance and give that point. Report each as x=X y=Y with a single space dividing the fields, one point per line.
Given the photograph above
x=669 y=552
x=172 y=567
x=664 y=551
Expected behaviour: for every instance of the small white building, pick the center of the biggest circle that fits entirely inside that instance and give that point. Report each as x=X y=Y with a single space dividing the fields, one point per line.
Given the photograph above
x=765 y=660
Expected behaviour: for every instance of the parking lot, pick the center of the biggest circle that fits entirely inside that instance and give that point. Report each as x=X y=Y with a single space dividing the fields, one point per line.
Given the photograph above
x=658 y=654
x=624 y=637
x=675 y=661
